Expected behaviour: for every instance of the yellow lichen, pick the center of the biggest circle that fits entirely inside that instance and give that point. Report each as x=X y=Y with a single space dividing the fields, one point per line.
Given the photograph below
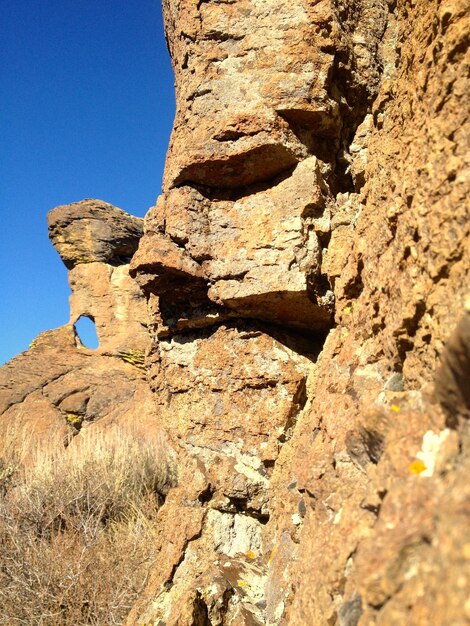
x=74 y=419
x=395 y=408
x=417 y=467
x=242 y=584
x=133 y=357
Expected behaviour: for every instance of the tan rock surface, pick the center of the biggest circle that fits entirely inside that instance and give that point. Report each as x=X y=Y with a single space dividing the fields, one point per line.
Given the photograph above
x=305 y=271
x=58 y=386
x=93 y=230
x=358 y=516
x=265 y=114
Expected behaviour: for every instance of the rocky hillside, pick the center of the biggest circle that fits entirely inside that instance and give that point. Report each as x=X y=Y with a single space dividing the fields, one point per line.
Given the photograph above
x=307 y=349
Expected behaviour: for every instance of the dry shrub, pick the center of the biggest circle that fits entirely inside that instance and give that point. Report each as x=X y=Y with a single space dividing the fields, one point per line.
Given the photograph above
x=76 y=529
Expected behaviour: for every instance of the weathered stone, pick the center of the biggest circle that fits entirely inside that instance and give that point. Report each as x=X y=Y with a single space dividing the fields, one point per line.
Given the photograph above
x=252 y=169
x=93 y=230
x=58 y=386
x=361 y=107
x=304 y=270
x=107 y=295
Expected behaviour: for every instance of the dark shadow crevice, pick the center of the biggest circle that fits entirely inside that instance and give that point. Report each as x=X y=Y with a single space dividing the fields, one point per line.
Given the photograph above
x=218 y=193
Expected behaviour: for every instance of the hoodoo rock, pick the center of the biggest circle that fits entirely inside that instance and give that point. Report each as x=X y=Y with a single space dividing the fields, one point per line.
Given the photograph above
x=299 y=293
x=59 y=386
x=93 y=231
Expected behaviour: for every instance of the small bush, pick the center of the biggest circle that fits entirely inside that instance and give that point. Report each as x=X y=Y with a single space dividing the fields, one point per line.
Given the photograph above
x=76 y=529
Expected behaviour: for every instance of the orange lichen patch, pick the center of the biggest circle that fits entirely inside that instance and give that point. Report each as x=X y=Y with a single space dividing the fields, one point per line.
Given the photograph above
x=250 y=554
x=417 y=467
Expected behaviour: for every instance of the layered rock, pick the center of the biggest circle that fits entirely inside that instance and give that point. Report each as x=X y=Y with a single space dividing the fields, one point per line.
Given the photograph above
x=258 y=156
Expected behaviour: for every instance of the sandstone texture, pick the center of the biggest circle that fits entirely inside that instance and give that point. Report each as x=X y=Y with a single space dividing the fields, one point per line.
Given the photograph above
x=300 y=292
x=93 y=231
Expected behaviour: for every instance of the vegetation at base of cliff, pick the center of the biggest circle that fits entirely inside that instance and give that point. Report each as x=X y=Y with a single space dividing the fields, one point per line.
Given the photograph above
x=77 y=528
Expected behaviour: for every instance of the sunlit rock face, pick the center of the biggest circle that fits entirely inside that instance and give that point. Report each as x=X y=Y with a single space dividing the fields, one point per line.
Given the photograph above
x=257 y=159
x=59 y=385
x=304 y=270
x=304 y=267
x=96 y=241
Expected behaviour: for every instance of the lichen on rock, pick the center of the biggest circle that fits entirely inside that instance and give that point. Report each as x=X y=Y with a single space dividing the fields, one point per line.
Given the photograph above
x=290 y=317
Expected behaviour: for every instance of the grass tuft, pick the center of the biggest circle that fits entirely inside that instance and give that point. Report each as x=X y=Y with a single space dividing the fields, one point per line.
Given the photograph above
x=77 y=527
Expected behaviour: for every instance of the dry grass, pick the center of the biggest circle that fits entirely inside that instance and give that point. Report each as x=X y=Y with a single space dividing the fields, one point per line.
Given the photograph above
x=76 y=529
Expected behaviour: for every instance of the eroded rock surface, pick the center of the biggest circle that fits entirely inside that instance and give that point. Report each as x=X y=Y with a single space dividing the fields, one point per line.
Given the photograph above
x=93 y=231
x=258 y=156
x=316 y=187
x=307 y=344
x=59 y=386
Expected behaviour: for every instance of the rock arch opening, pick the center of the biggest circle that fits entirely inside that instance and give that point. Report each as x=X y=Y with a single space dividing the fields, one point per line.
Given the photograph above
x=85 y=332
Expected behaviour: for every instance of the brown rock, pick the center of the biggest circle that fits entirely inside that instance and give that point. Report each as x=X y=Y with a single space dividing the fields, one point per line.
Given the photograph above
x=304 y=269
x=251 y=173
x=93 y=230
x=316 y=167
x=58 y=386
x=107 y=295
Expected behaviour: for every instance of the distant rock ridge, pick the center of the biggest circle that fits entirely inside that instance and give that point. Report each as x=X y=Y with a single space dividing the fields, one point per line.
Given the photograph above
x=293 y=318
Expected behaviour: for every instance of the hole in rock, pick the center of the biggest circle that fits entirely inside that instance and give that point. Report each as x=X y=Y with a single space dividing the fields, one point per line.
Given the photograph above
x=85 y=331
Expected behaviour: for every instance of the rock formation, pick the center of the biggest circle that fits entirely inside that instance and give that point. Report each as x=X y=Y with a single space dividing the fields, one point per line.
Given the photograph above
x=59 y=386
x=304 y=268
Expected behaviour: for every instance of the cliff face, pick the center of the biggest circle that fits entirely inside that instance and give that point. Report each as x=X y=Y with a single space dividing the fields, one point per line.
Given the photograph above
x=304 y=269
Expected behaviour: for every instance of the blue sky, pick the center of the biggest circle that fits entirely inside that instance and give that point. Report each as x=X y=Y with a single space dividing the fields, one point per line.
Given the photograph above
x=86 y=111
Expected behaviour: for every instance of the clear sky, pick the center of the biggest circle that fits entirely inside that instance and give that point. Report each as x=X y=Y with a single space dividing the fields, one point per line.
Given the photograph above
x=86 y=111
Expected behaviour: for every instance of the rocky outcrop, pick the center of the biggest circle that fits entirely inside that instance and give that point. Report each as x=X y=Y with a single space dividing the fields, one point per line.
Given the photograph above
x=304 y=269
x=59 y=386
x=93 y=231
x=307 y=344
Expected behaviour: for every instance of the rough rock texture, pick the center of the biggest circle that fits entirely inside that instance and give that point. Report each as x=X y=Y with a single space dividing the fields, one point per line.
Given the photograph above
x=315 y=188
x=305 y=270
x=93 y=230
x=58 y=386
